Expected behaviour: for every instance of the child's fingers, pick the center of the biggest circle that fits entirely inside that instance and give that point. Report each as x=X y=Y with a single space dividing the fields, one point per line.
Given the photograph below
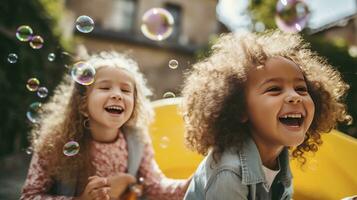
x=92 y=177
x=129 y=179
x=100 y=193
x=98 y=182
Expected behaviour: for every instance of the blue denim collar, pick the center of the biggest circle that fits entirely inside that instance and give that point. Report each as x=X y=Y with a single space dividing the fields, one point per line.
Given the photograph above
x=252 y=172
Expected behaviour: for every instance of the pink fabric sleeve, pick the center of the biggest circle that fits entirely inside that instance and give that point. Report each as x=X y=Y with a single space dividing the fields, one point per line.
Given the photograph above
x=38 y=182
x=156 y=185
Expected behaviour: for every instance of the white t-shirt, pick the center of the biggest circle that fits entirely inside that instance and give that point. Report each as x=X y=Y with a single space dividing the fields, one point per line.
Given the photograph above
x=269 y=177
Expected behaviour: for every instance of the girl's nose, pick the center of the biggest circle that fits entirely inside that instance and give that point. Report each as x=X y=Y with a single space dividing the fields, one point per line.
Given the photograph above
x=293 y=99
x=116 y=95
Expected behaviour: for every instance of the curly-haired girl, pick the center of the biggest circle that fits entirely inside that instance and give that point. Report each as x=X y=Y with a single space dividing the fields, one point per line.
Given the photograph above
x=109 y=120
x=255 y=98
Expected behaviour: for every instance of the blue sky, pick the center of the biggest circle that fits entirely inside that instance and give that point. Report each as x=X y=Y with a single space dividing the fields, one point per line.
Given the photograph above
x=233 y=12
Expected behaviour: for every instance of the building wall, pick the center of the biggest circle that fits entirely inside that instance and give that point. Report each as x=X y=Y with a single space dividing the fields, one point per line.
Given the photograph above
x=198 y=23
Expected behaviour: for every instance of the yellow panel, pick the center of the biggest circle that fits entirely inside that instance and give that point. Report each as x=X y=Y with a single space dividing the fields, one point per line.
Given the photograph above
x=330 y=174
x=174 y=159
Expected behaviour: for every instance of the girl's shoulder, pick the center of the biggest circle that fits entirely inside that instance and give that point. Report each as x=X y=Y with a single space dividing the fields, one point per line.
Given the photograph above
x=213 y=174
x=228 y=162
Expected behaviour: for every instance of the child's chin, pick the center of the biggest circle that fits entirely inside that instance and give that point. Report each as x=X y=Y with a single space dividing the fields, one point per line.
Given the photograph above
x=296 y=142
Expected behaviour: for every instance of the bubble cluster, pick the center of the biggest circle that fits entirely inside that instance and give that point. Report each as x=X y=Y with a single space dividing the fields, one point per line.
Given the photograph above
x=42 y=92
x=71 y=148
x=32 y=84
x=291 y=15
x=33 y=112
x=36 y=42
x=157 y=24
x=84 y=24
x=12 y=58
x=173 y=64
x=83 y=73
x=24 y=33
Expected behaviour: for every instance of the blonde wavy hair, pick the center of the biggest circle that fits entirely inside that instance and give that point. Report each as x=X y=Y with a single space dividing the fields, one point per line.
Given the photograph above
x=213 y=97
x=62 y=119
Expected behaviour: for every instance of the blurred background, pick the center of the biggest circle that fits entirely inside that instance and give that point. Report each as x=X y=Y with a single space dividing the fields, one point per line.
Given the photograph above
x=41 y=40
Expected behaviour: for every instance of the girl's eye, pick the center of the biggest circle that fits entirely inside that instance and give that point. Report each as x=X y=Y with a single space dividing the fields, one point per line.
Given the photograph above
x=126 y=90
x=301 y=89
x=104 y=88
x=273 y=89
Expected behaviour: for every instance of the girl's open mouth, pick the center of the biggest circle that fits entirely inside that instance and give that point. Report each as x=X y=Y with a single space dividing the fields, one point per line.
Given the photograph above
x=292 y=120
x=114 y=109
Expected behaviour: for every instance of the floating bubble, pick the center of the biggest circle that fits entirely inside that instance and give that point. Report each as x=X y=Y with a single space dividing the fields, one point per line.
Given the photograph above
x=33 y=113
x=42 y=92
x=51 y=57
x=291 y=15
x=352 y=51
x=24 y=33
x=83 y=73
x=157 y=24
x=29 y=150
x=173 y=64
x=169 y=95
x=84 y=24
x=12 y=58
x=36 y=42
x=71 y=148
x=33 y=84
x=259 y=27
x=164 y=142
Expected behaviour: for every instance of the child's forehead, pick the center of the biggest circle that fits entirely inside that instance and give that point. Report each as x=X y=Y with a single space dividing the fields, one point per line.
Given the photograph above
x=276 y=67
x=114 y=74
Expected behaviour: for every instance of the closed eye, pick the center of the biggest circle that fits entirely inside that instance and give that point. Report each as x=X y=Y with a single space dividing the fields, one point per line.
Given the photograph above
x=273 y=89
x=302 y=90
x=126 y=90
x=104 y=88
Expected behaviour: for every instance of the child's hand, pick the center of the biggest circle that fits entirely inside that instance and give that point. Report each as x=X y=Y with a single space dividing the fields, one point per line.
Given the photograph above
x=96 y=189
x=119 y=183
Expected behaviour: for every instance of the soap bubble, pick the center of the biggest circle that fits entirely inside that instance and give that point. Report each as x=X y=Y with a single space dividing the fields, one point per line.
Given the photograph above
x=84 y=24
x=291 y=15
x=157 y=24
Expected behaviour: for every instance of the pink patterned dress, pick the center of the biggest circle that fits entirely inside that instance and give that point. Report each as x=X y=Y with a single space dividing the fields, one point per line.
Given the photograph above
x=109 y=160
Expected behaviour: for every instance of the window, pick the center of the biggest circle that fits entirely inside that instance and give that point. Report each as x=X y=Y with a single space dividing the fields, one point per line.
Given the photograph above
x=175 y=11
x=122 y=16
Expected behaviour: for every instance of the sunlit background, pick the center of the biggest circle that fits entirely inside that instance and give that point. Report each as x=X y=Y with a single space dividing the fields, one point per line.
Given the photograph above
x=41 y=40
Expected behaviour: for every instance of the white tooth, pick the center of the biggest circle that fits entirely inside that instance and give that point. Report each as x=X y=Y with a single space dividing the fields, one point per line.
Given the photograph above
x=292 y=116
x=115 y=107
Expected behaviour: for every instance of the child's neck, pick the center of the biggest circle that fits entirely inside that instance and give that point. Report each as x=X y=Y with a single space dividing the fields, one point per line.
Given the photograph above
x=269 y=155
x=101 y=134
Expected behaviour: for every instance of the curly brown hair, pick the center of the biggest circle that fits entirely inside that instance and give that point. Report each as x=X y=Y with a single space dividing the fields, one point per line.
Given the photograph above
x=213 y=92
x=62 y=119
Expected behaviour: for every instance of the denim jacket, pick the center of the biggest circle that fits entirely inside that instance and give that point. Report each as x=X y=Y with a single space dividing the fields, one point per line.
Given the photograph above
x=238 y=175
